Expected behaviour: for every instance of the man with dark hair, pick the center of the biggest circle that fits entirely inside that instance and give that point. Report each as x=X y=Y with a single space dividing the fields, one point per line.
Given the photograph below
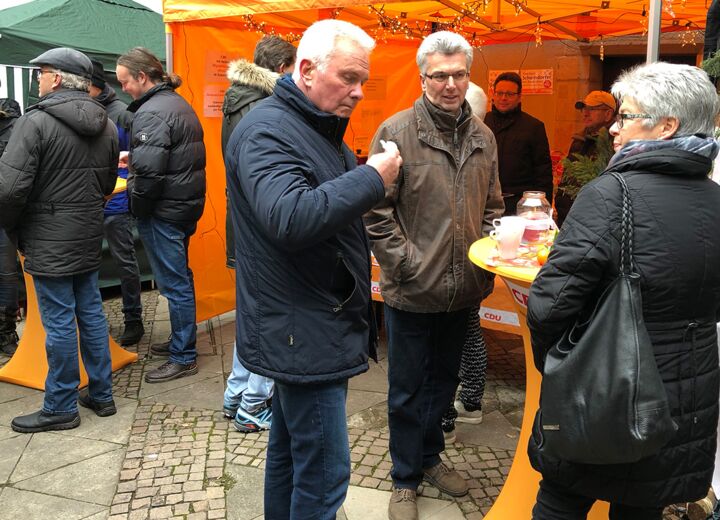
x=522 y=144
x=247 y=395
x=118 y=223
x=58 y=222
x=167 y=195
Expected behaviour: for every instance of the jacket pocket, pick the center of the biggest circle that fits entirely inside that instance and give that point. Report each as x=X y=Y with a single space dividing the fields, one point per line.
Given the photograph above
x=343 y=284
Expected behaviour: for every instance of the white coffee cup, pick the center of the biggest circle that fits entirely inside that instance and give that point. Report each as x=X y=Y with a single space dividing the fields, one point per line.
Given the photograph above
x=508 y=233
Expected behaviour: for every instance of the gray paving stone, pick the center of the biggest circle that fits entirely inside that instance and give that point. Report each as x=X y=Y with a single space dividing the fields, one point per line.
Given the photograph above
x=245 y=498
x=48 y=451
x=72 y=481
x=17 y=503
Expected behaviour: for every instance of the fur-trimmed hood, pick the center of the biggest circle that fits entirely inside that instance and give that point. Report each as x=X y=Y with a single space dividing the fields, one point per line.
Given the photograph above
x=243 y=72
x=248 y=85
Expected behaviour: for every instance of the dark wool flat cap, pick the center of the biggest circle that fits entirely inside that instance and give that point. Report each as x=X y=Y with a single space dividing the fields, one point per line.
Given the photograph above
x=98 y=74
x=66 y=60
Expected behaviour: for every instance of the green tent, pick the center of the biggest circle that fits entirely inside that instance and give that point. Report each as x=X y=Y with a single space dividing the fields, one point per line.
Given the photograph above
x=102 y=29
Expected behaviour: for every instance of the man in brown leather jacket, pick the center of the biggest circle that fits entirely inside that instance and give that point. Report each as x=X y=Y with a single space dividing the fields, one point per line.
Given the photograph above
x=444 y=199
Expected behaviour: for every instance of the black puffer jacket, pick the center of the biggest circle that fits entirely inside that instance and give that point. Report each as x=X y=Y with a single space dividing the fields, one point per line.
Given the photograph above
x=60 y=162
x=167 y=158
x=10 y=111
x=677 y=253
x=523 y=155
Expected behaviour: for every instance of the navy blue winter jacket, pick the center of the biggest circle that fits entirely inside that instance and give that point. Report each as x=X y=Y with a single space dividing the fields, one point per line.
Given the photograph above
x=302 y=253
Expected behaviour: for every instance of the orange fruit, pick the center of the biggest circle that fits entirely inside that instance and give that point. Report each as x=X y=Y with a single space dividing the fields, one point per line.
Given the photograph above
x=542 y=255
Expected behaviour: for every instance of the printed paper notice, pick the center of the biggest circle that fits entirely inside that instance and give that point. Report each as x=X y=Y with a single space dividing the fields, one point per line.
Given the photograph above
x=537 y=81
x=213 y=100
x=216 y=64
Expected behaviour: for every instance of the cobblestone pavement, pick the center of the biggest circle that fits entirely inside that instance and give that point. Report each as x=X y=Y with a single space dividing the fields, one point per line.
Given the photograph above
x=182 y=459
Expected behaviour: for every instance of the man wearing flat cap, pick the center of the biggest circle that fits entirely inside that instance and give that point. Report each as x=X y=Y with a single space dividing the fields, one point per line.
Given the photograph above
x=118 y=224
x=59 y=165
x=598 y=114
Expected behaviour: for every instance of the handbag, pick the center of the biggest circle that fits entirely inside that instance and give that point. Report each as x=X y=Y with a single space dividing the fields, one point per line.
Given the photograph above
x=602 y=399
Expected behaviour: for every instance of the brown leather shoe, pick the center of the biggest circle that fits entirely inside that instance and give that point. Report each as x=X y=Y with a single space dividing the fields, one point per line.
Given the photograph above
x=403 y=504
x=446 y=480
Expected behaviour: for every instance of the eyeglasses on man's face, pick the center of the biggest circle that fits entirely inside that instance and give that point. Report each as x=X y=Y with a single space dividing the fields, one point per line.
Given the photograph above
x=443 y=77
x=621 y=117
x=508 y=95
x=40 y=72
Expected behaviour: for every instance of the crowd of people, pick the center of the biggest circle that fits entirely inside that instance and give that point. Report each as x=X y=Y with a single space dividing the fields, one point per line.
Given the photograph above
x=302 y=220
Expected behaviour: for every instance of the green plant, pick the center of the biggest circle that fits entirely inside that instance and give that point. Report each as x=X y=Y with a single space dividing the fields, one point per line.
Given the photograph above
x=712 y=65
x=578 y=172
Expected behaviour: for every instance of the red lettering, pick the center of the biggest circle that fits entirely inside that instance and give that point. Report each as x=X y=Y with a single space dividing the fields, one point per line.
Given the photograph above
x=521 y=298
x=492 y=317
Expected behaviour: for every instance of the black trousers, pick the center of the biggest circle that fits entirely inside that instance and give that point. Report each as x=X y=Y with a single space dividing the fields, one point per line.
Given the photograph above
x=556 y=502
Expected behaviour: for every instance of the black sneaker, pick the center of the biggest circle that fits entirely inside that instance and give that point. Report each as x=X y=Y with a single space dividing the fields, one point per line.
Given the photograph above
x=101 y=409
x=169 y=371
x=160 y=349
x=132 y=334
x=45 y=422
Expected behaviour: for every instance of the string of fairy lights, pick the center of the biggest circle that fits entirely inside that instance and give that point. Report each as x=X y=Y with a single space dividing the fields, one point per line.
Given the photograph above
x=394 y=25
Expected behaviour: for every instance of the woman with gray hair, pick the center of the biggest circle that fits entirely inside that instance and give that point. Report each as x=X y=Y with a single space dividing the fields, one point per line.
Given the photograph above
x=664 y=152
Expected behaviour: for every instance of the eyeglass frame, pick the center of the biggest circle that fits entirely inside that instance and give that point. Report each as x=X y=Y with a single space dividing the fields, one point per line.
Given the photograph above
x=621 y=117
x=40 y=72
x=509 y=95
x=436 y=75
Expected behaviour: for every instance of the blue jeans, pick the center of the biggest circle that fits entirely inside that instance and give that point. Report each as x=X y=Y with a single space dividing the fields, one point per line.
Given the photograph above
x=245 y=389
x=166 y=244
x=8 y=274
x=69 y=304
x=119 y=236
x=308 y=458
x=424 y=352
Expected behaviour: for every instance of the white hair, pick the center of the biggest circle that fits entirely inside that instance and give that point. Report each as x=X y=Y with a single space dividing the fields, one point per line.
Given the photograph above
x=444 y=42
x=73 y=81
x=477 y=99
x=671 y=90
x=319 y=42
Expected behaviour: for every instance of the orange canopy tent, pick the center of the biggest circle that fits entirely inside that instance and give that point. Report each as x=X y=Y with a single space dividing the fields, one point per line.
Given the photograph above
x=204 y=35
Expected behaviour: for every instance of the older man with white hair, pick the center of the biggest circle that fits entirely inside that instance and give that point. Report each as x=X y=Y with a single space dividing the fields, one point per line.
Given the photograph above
x=445 y=199
x=303 y=263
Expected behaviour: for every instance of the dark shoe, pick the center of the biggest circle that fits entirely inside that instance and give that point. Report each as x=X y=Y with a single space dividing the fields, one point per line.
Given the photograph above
x=132 y=334
x=446 y=480
x=45 y=422
x=160 y=349
x=169 y=371
x=8 y=342
x=403 y=504
x=101 y=409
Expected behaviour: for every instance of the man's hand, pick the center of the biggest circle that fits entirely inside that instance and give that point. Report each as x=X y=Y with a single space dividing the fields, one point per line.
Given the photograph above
x=387 y=163
x=123 y=159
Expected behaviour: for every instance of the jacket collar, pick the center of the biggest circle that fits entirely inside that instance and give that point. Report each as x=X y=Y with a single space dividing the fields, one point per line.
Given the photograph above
x=687 y=156
x=132 y=107
x=328 y=125
x=247 y=74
